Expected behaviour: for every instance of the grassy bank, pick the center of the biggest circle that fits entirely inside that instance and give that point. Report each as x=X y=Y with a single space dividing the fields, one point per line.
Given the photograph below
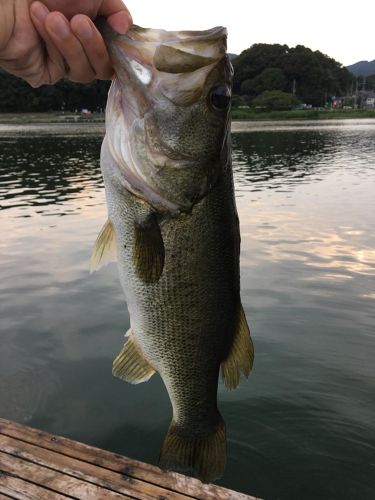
x=308 y=114
x=301 y=114
x=237 y=114
x=24 y=118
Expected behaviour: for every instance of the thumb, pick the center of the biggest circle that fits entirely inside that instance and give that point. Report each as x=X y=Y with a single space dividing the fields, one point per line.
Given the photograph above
x=117 y=15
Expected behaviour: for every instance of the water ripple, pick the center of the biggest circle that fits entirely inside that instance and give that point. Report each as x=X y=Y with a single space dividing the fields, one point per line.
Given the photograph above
x=302 y=426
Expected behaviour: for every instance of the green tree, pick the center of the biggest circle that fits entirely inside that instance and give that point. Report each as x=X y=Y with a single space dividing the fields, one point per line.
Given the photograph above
x=268 y=79
x=17 y=96
x=251 y=62
x=237 y=101
x=273 y=100
x=315 y=76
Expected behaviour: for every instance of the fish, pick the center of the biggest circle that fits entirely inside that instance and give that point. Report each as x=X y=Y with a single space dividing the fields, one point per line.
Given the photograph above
x=174 y=229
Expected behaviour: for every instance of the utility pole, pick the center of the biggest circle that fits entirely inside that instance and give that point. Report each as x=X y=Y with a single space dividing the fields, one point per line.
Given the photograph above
x=294 y=87
x=356 y=94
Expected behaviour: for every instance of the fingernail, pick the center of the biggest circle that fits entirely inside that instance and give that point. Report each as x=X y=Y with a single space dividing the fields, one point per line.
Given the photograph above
x=60 y=27
x=84 y=29
x=39 y=11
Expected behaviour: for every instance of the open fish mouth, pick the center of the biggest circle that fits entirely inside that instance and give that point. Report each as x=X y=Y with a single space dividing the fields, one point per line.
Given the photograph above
x=167 y=51
x=173 y=51
x=161 y=91
x=146 y=58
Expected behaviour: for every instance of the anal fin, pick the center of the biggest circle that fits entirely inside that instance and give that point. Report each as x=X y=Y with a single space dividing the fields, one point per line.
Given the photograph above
x=130 y=365
x=241 y=354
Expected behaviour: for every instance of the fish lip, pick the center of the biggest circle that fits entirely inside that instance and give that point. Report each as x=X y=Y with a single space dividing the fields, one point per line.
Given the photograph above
x=184 y=36
x=139 y=44
x=138 y=34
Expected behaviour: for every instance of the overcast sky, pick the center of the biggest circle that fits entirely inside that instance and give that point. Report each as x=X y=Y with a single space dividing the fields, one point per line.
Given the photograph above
x=344 y=31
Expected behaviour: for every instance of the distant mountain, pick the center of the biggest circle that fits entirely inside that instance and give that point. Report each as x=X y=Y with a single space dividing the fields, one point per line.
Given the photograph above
x=232 y=56
x=362 y=68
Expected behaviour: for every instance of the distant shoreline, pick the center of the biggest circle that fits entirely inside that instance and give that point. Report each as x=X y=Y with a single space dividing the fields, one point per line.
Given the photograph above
x=238 y=115
x=52 y=117
x=302 y=114
x=96 y=122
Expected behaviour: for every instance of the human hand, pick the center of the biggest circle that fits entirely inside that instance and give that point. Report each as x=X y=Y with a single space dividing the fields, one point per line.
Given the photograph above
x=42 y=46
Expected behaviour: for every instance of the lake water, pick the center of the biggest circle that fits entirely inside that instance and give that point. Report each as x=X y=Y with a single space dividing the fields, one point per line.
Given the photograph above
x=303 y=426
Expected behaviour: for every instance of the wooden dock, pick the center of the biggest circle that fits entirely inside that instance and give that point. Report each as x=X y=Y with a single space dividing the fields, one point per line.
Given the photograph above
x=35 y=465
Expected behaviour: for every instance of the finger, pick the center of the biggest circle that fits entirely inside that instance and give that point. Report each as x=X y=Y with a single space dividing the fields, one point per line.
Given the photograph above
x=58 y=28
x=71 y=7
x=54 y=66
x=120 y=22
x=93 y=45
x=117 y=15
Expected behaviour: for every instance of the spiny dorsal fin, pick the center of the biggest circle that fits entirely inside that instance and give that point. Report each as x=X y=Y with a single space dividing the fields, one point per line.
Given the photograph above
x=130 y=365
x=241 y=354
x=105 y=249
x=148 y=253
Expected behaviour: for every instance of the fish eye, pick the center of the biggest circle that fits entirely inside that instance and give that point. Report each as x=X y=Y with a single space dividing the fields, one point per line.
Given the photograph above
x=220 y=97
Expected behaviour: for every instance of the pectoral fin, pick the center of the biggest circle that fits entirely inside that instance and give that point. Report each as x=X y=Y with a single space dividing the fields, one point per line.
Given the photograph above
x=149 y=253
x=105 y=249
x=241 y=354
x=130 y=365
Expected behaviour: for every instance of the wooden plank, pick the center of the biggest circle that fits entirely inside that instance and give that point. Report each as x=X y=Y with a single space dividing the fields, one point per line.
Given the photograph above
x=91 y=473
x=17 y=488
x=117 y=463
x=53 y=480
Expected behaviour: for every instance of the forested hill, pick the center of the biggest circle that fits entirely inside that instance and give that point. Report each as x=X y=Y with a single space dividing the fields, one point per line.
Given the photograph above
x=312 y=76
x=17 y=96
x=362 y=68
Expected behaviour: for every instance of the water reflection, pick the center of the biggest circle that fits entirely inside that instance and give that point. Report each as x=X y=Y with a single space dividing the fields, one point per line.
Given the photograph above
x=321 y=169
x=302 y=426
x=45 y=172
x=282 y=158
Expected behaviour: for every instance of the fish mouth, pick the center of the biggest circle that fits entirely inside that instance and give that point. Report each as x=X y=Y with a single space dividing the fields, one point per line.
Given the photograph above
x=144 y=52
x=153 y=67
x=195 y=42
x=153 y=63
x=161 y=36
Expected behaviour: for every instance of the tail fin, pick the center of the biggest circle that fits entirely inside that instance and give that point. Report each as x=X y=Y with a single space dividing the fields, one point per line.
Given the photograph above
x=202 y=457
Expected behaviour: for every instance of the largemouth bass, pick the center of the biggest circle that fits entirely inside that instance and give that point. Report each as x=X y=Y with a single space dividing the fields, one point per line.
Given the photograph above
x=173 y=224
